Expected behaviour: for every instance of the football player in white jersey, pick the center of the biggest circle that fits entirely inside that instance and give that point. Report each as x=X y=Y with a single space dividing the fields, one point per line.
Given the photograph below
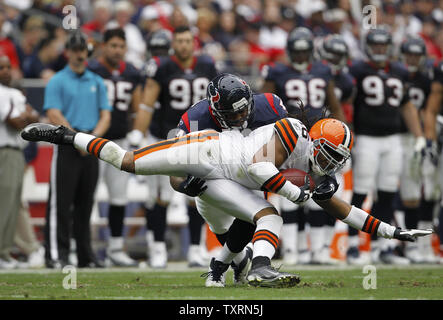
x=246 y=163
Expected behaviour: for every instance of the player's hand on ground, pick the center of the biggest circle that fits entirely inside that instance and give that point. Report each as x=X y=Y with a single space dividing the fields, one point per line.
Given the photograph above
x=193 y=186
x=325 y=190
x=411 y=234
x=305 y=191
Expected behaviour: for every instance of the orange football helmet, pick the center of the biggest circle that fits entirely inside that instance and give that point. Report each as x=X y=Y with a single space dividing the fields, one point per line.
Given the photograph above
x=332 y=143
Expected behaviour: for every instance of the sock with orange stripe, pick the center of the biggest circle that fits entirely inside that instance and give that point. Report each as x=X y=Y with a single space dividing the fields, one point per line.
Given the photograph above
x=266 y=235
x=359 y=219
x=103 y=149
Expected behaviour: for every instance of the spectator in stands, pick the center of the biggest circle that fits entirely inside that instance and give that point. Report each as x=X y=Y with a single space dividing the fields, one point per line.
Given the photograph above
x=76 y=98
x=33 y=32
x=272 y=37
x=103 y=10
x=226 y=30
x=7 y=47
x=15 y=114
x=149 y=21
x=136 y=45
x=428 y=33
x=39 y=65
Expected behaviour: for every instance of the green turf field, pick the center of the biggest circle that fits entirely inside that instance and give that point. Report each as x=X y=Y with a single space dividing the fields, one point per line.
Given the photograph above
x=325 y=283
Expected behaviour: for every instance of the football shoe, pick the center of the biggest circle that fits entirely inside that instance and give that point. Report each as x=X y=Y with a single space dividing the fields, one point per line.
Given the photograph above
x=49 y=133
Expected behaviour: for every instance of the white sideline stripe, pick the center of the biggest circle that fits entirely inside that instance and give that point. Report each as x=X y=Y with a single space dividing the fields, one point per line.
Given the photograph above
x=53 y=207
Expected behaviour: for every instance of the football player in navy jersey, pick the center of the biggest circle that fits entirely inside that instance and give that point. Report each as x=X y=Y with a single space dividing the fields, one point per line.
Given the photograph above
x=177 y=82
x=230 y=105
x=305 y=79
x=418 y=180
x=432 y=111
x=334 y=51
x=381 y=102
x=123 y=84
x=312 y=82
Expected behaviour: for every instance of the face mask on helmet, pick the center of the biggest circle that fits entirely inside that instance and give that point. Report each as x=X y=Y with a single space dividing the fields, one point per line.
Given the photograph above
x=300 y=48
x=378 y=46
x=335 y=52
x=413 y=54
x=231 y=101
x=332 y=143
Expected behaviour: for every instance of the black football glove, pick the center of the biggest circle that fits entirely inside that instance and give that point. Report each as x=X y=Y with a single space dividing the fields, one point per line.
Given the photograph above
x=410 y=234
x=326 y=189
x=305 y=191
x=192 y=186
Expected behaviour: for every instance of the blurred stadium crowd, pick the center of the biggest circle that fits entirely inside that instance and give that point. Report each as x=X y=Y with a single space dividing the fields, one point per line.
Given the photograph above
x=241 y=35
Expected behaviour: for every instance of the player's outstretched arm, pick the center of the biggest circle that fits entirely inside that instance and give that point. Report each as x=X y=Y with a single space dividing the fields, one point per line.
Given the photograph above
x=359 y=219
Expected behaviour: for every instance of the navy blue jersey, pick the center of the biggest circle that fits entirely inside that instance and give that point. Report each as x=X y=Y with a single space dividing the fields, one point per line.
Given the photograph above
x=379 y=96
x=268 y=109
x=120 y=84
x=344 y=86
x=180 y=89
x=438 y=72
x=419 y=87
x=309 y=86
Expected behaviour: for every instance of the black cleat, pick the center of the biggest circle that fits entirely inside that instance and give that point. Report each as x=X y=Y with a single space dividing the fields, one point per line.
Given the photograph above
x=267 y=276
x=216 y=275
x=48 y=133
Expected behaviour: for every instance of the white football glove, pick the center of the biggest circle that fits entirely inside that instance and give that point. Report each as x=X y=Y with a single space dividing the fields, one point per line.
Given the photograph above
x=135 y=138
x=410 y=234
x=417 y=158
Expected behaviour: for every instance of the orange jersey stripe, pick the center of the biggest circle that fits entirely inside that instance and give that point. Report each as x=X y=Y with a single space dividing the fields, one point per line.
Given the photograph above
x=91 y=144
x=291 y=131
x=284 y=136
x=176 y=142
x=97 y=146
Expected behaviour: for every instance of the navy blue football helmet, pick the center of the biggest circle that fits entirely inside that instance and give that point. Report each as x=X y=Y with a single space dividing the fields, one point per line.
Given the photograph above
x=159 y=43
x=300 y=48
x=231 y=101
x=335 y=51
x=378 y=45
x=413 y=53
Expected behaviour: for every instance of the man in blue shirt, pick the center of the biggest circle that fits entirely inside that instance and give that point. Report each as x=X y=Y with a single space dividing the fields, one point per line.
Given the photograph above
x=74 y=97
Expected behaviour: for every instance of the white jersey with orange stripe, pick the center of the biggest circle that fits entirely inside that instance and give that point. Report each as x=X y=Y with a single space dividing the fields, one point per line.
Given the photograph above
x=237 y=151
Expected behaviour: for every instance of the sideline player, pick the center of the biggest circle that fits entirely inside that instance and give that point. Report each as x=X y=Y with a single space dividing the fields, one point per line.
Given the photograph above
x=432 y=110
x=176 y=82
x=380 y=103
x=311 y=81
x=334 y=51
x=123 y=84
x=418 y=180
x=248 y=163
